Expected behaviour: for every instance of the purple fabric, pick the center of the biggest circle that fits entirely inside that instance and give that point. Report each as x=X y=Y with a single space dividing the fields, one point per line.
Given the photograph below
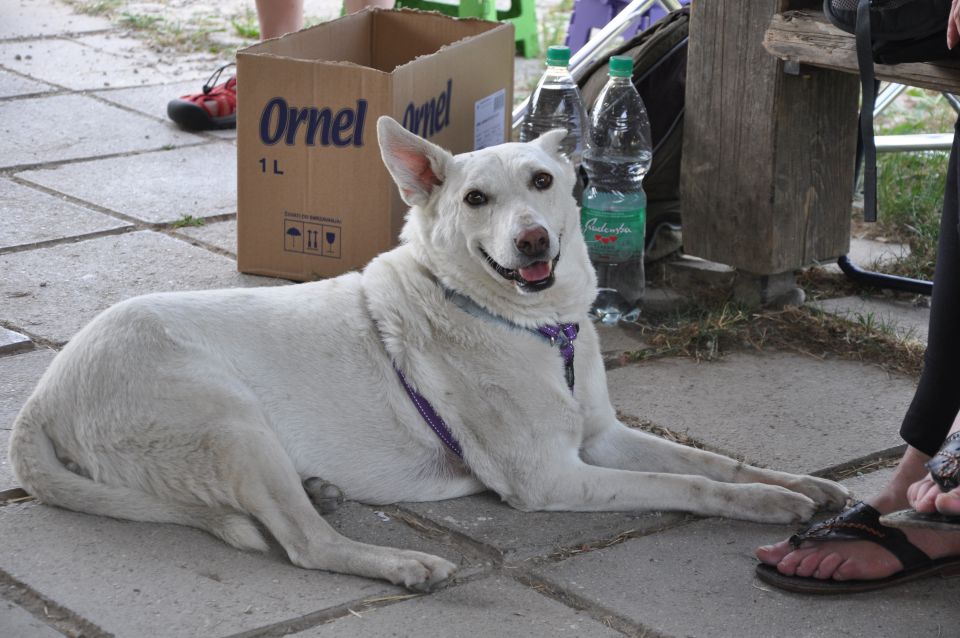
x=569 y=331
x=595 y=14
x=564 y=334
x=430 y=415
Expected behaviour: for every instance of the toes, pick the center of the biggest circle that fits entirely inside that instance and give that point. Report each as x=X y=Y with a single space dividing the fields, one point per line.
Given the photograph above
x=864 y=567
x=773 y=554
x=808 y=566
x=791 y=562
x=825 y=493
x=828 y=565
x=423 y=572
x=948 y=502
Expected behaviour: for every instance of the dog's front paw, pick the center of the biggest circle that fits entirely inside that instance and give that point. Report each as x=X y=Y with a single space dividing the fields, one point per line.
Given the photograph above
x=775 y=504
x=421 y=572
x=825 y=493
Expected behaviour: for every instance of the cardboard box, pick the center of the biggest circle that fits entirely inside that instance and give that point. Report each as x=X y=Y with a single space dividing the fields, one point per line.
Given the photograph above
x=314 y=198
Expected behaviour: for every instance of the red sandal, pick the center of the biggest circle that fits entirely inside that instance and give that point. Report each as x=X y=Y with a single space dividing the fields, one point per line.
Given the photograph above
x=215 y=108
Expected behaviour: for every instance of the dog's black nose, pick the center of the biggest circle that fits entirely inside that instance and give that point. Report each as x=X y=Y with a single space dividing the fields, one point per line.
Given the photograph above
x=533 y=241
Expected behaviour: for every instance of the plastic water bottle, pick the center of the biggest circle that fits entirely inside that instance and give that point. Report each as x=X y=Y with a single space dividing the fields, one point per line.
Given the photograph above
x=614 y=206
x=556 y=103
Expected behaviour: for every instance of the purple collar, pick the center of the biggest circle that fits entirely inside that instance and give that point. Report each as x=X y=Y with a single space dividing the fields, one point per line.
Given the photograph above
x=562 y=336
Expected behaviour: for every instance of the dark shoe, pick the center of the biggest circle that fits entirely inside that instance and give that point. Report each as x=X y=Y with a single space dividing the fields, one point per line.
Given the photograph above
x=860 y=522
x=215 y=108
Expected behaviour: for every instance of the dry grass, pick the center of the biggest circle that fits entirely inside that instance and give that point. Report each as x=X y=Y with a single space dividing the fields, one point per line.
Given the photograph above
x=708 y=334
x=865 y=468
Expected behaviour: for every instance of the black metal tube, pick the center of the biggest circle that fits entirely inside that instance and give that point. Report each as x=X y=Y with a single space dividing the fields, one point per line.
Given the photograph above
x=881 y=280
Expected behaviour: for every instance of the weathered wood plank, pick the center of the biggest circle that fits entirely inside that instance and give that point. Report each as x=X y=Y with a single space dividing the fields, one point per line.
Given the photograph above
x=809 y=38
x=767 y=157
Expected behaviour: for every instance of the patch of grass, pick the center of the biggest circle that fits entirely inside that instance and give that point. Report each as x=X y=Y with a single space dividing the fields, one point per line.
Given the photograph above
x=910 y=199
x=161 y=33
x=246 y=25
x=866 y=467
x=140 y=21
x=97 y=7
x=188 y=220
x=706 y=334
x=910 y=185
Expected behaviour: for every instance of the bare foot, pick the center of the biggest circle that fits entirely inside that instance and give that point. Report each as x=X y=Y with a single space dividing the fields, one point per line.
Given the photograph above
x=863 y=560
x=853 y=560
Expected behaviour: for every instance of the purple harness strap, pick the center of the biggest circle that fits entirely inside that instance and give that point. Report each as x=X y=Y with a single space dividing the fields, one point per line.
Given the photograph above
x=563 y=334
x=434 y=420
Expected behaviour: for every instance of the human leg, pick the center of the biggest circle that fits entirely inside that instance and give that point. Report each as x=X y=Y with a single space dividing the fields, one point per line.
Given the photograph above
x=928 y=420
x=279 y=16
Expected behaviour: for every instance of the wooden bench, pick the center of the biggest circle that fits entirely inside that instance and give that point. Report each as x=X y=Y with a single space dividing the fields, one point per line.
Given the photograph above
x=770 y=133
x=807 y=37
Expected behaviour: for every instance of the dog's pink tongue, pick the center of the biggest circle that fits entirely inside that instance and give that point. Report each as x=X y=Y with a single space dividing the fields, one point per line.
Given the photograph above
x=536 y=271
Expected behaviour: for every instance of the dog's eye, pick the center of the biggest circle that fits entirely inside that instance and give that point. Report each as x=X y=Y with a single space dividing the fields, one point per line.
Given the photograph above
x=542 y=181
x=475 y=198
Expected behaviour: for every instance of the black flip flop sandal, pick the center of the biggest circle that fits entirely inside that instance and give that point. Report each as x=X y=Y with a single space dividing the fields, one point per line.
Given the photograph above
x=860 y=522
x=944 y=469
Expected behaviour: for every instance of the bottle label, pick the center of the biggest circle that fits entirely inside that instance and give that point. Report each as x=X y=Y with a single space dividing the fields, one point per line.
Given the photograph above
x=613 y=236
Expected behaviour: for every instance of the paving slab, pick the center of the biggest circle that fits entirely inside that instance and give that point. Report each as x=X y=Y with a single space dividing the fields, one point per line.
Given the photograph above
x=12 y=85
x=31 y=216
x=697 y=580
x=11 y=341
x=159 y=187
x=222 y=235
x=906 y=319
x=19 y=374
x=869 y=253
x=152 y=100
x=787 y=411
x=80 y=64
x=495 y=606
x=53 y=292
x=17 y=621
x=615 y=340
x=525 y=535
x=31 y=18
x=149 y=579
x=94 y=129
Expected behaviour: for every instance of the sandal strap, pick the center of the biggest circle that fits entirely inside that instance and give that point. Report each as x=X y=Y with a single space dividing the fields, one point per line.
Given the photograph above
x=862 y=523
x=223 y=96
x=944 y=466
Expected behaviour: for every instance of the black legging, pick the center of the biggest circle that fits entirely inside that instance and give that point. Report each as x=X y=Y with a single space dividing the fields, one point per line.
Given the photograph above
x=937 y=400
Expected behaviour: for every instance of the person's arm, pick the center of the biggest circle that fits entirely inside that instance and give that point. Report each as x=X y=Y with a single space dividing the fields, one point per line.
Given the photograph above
x=953 y=25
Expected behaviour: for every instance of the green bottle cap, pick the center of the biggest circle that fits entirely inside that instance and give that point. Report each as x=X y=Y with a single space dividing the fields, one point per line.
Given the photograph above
x=558 y=56
x=621 y=66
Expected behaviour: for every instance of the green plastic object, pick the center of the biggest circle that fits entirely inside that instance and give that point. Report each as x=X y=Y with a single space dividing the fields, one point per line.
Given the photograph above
x=522 y=14
x=621 y=66
x=558 y=56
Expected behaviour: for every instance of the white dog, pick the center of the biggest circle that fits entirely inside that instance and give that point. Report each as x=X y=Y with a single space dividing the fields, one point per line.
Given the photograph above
x=208 y=409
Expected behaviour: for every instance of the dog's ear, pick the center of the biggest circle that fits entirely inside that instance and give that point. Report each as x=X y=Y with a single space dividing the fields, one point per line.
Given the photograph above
x=417 y=166
x=550 y=141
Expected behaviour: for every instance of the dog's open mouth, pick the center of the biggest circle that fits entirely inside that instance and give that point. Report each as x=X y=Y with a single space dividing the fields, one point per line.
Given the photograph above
x=533 y=277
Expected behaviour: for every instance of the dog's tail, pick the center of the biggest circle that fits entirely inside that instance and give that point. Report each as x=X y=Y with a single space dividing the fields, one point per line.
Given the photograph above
x=43 y=475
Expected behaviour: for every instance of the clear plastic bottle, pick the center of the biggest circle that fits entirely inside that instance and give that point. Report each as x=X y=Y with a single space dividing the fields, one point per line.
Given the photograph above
x=556 y=103
x=614 y=206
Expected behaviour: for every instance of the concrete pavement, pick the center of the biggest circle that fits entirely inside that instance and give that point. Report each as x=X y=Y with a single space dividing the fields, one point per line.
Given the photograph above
x=93 y=181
